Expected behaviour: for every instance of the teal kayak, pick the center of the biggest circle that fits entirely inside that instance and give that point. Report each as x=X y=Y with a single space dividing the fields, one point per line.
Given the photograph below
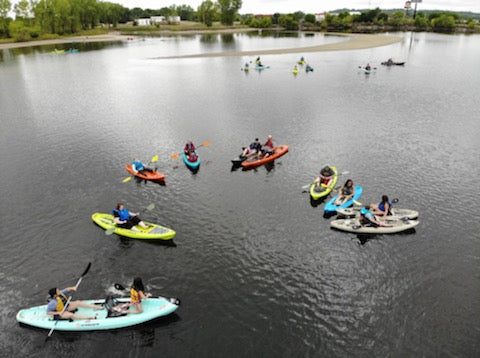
x=330 y=207
x=152 y=308
x=190 y=164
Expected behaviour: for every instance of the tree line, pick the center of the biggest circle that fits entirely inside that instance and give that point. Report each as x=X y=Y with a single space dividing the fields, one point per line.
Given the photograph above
x=375 y=19
x=39 y=18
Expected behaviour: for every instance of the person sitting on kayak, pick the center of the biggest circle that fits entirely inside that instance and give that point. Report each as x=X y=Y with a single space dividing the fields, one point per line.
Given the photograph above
x=258 y=62
x=367 y=218
x=382 y=209
x=139 y=167
x=308 y=68
x=137 y=294
x=189 y=150
x=367 y=67
x=247 y=66
x=346 y=192
x=126 y=219
x=302 y=60
x=324 y=179
x=253 y=149
x=57 y=301
x=267 y=148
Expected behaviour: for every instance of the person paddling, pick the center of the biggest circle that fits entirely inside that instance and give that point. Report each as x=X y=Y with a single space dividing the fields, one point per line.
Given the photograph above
x=126 y=219
x=57 y=301
x=139 y=167
x=189 y=151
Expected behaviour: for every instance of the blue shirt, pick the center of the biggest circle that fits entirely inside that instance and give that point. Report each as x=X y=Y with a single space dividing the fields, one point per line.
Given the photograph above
x=52 y=305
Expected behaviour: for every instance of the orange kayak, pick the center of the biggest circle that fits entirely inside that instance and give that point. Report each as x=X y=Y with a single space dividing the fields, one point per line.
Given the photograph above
x=257 y=160
x=154 y=176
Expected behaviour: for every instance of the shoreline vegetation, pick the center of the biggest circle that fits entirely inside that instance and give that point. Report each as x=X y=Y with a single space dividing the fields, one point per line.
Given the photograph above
x=45 y=22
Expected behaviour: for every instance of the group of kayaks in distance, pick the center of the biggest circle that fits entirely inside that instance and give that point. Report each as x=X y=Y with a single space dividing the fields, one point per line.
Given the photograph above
x=301 y=62
x=381 y=218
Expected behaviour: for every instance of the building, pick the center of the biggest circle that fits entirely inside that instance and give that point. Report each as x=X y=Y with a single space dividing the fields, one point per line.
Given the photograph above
x=320 y=17
x=143 y=22
x=157 y=19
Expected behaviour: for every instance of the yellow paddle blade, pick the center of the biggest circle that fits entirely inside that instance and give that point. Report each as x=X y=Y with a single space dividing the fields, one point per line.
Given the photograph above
x=206 y=143
x=154 y=159
x=357 y=203
x=127 y=179
x=175 y=155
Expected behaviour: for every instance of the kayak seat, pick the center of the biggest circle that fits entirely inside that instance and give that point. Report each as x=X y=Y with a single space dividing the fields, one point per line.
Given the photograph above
x=110 y=304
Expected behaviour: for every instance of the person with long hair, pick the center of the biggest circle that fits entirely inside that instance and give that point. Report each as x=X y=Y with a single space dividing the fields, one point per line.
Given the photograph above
x=383 y=208
x=345 y=193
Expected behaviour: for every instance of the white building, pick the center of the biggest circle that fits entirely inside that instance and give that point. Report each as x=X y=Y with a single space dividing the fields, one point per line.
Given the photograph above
x=157 y=19
x=143 y=22
x=320 y=17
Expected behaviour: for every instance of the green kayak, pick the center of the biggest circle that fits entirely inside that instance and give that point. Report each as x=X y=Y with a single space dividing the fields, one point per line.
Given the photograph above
x=322 y=191
x=154 y=231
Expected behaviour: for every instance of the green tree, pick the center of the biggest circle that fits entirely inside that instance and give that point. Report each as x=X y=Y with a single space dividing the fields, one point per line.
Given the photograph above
x=206 y=12
x=228 y=10
x=288 y=22
x=18 y=31
x=5 y=6
x=420 y=21
x=275 y=18
x=444 y=23
x=310 y=18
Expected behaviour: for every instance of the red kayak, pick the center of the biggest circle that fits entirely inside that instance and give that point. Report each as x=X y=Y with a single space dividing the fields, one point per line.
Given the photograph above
x=257 y=160
x=154 y=176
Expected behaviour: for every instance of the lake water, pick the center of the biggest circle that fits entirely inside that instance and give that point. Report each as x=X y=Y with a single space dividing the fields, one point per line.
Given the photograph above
x=256 y=265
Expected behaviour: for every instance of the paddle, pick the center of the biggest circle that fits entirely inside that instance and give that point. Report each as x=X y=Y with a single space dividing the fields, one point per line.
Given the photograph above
x=153 y=160
x=204 y=144
x=394 y=201
x=305 y=187
x=112 y=229
x=69 y=298
x=363 y=68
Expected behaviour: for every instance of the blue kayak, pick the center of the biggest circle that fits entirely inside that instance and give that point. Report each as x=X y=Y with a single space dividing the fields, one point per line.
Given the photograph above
x=190 y=164
x=330 y=207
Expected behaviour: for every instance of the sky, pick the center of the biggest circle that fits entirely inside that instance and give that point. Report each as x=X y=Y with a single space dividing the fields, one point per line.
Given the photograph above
x=313 y=6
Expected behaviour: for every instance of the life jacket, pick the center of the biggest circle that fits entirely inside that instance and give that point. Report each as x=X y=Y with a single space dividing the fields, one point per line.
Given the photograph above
x=122 y=214
x=269 y=143
x=348 y=190
x=135 y=296
x=324 y=181
x=138 y=165
x=189 y=147
x=382 y=207
x=61 y=302
x=364 y=214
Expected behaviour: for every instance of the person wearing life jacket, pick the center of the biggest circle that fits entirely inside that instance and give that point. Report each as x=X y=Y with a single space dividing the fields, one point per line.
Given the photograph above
x=253 y=149
x=139 y=167
x=126 y=219
x=57 y=305
x=383 y=208
x=345 y=193
x=367 y=218
x=324 y=179
x=189 y=151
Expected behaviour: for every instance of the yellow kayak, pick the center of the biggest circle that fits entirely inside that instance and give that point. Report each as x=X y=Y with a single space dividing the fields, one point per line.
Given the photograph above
x=319 y=192
x=153 y=232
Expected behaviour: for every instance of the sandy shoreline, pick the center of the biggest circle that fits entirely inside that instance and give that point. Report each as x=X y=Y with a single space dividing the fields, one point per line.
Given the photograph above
x=354 y=42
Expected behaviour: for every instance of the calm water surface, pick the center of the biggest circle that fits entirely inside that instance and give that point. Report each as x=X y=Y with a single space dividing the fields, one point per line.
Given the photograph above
x=257 y=268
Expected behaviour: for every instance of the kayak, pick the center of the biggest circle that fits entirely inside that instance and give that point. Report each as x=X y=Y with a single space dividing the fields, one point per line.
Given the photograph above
x=57 y=52
x=386 y=63
x=152 y=308
x=330 y=207
x=353 y=225
x=105 y=221
x=257 y=160
x=262 y=67
x=322 y=191
x=365 y=70
x=190 y=164
x=153 y=176
x=301 y=62
x=396 y=213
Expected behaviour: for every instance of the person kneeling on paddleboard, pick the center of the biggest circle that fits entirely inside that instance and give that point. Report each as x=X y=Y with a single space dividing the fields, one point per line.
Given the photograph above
x=57 y=301
x=367 y=218
x=126 y=219
x=189 y=150
x=139 y=167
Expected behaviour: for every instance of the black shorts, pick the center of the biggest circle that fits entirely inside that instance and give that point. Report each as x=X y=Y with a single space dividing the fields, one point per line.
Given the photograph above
x=131 y=222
